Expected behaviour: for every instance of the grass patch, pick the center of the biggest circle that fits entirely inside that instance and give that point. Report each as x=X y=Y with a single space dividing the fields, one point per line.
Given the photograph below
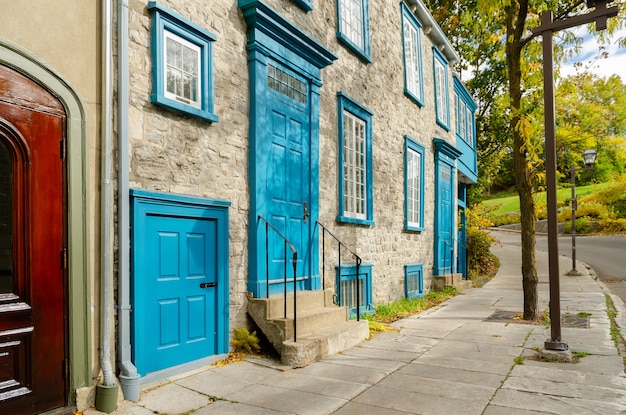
x=508 y=204
x=616 y=335
x=519 y=360
x=584 y=314
x=385 y=313
x=579 y=354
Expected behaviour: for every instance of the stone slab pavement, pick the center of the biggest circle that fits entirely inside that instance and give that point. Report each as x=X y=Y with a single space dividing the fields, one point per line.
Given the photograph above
x=466 y=356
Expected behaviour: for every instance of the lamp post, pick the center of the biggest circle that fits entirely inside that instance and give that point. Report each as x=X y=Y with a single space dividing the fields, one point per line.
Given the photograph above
x=547 y=27
x=589 y=157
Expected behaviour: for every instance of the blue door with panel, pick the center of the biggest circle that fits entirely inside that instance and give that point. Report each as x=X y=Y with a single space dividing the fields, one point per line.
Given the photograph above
x=288 y=176
x=180 y=284
x=446 y=242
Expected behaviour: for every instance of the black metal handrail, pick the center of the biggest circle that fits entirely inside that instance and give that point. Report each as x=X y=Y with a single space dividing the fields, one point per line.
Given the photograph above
x=294 y=261
x=325 y=230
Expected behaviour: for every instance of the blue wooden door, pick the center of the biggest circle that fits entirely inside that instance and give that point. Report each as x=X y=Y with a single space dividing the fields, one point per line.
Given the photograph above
x=462 y=244
x=180 y=283
x=446 y=242
x=289 y=184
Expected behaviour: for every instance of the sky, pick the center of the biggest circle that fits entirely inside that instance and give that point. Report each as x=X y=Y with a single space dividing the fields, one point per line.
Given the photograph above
x=614 y=64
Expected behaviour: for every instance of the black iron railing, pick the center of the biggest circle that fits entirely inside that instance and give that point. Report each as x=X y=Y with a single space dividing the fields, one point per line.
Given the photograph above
x=325 y=231
x=294 y=261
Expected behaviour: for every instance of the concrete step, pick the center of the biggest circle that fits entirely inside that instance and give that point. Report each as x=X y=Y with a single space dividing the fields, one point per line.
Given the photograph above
x=451 y=280
x=325 y=342
x=322 y=327
x=274 y=307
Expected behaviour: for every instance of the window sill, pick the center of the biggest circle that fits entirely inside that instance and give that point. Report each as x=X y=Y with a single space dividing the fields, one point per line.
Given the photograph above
x=346 y=219
x=183 y=108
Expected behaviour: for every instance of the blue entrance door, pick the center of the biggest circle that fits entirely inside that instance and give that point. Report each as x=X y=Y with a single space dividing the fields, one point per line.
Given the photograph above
x=446 y=242
x=181 y=290
x=288 y=180
x=180 y=279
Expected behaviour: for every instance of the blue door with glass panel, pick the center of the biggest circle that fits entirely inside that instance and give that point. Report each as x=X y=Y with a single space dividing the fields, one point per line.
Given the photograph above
x=180 y=285
x=445 y=221
x=288 y=176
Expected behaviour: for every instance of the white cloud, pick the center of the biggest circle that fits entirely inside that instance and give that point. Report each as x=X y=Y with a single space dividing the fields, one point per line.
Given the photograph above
x=615 y=64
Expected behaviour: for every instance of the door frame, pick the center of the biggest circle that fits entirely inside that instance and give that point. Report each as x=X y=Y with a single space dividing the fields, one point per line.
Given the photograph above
x=79 y=277
x=445 y=156
x=144 y=203
x=271 y=37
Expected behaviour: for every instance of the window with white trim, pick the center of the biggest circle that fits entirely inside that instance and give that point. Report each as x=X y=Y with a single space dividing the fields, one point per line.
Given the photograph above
x=442 y=101
x=355 y=152
x=182 y=69
x=182 y=72
x=413 y=185
x=353 y=31
x=412 y=48
x=465 y=119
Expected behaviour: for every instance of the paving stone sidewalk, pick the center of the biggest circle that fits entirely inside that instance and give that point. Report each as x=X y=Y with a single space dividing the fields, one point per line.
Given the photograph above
x=452 y=359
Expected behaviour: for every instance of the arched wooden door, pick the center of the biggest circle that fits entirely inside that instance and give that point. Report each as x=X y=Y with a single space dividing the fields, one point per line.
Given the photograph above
x=33 y=269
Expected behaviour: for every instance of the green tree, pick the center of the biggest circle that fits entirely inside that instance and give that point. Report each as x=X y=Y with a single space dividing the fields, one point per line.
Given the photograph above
x=493 y=38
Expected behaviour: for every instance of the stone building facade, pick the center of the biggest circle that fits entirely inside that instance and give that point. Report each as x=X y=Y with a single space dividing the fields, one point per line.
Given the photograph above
x=303 y=112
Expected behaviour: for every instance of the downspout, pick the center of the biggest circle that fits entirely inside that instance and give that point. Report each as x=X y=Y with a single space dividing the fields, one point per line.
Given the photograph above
x=105 y=199
x=129 y=378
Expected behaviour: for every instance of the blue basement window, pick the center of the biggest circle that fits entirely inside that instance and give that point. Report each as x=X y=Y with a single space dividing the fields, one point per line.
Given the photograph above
x=442 y=100
x=413 y=185
x=413 y=281
x=182 y=67
x=347 y=287
x=353 y=31
x=355 y=162
x=412 y=48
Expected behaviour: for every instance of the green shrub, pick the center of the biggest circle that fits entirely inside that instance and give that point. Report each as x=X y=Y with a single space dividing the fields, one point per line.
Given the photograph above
x=590 y=209
x=244 y=341
x=611 y=225
x=480 y=260
x=613 y=196
x=583 y=225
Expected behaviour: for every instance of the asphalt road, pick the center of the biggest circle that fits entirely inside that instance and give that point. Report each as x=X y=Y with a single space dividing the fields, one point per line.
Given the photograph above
x=605 y=254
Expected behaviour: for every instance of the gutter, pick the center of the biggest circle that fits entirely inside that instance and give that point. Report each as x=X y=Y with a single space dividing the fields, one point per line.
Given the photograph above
x=129 y=378
x=432 y=29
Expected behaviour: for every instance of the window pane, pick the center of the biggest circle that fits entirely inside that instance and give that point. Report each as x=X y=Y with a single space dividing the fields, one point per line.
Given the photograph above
x=182 y=72
x=6 y=221
x=352 y=21
x=355 y=168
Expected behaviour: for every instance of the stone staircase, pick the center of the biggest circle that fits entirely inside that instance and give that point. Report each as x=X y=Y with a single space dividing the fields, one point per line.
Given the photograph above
x=455 y=280
x=323 y=329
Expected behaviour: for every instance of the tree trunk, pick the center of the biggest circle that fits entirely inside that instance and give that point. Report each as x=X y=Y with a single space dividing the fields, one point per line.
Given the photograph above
x=516 y=19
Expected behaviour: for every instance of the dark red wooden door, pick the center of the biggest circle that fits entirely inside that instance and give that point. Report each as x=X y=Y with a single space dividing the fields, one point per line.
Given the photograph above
x=33 y=331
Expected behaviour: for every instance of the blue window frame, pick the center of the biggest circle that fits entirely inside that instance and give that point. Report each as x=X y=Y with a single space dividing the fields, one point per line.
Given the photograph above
x=353 y=27
x=355 y=162
x=413 y=185
x=182 y=64
x=413 y=281
x=465 y=118
x=412 y=49
x=442 y=100
x=346 y=288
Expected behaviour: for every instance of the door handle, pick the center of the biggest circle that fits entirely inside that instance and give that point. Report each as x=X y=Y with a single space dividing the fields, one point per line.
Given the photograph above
x=208 y=284
x=306 y=212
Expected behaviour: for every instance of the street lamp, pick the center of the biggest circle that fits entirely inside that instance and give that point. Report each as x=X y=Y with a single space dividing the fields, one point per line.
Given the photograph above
x=589 y=157
x=547 y=27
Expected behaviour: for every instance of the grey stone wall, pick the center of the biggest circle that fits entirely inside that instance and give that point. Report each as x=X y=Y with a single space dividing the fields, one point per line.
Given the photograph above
x=174 y=153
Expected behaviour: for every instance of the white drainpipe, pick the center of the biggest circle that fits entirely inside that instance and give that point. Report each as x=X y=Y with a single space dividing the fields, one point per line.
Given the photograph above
x=105 y=198
x=129 y=378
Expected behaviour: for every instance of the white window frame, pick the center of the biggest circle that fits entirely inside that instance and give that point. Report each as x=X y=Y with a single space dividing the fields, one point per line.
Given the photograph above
x=195 y=48
x=355 y=162
x=353 y=27
x=442 y=100
x=412 y=49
